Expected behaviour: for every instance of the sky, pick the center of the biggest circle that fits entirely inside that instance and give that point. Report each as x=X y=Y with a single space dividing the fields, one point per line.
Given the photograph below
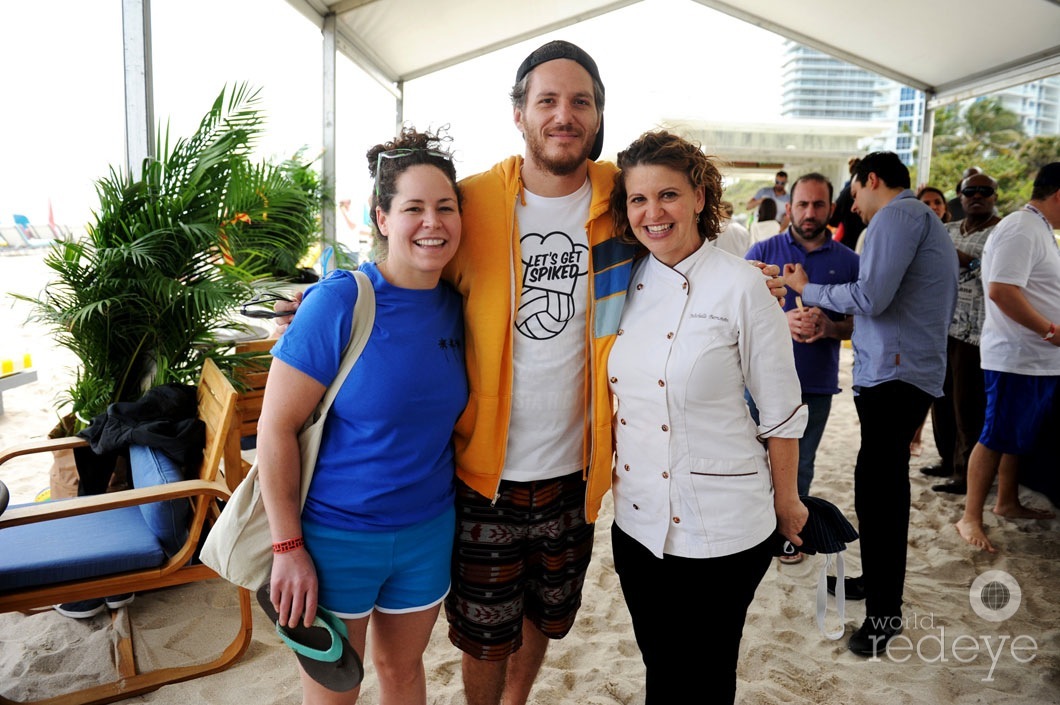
x=63 y=93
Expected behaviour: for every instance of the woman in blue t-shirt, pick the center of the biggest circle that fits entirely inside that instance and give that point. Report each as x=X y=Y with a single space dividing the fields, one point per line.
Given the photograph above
x=374 y=540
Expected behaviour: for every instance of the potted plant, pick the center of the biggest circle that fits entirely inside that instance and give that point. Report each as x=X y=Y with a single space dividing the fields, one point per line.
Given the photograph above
x=141 y=299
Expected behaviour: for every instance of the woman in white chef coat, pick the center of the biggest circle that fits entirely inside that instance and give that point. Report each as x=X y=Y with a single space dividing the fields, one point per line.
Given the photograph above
x=698 y=488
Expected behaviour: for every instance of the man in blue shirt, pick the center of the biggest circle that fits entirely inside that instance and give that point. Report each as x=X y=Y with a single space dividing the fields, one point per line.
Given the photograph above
x=902 y=303
x=778 y=192
x=816 y=333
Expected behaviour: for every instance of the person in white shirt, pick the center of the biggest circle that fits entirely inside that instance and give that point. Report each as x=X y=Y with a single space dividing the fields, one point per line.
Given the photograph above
x=1019 y=353
x=697 y=495
x=732 y=237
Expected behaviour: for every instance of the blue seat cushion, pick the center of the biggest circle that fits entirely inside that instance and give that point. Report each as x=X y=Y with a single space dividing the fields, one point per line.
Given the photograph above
x=75 y=548
x=168 y=520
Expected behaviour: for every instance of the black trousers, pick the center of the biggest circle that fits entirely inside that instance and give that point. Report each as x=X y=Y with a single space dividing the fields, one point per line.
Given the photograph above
x=890 y=414
x=957 y=416
x=688 y=616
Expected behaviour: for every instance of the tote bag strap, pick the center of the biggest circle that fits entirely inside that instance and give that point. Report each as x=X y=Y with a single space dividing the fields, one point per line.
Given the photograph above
x=363 y=320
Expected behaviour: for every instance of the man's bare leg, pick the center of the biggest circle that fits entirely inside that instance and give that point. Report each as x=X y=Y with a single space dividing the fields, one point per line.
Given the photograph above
x=1008 y=493
x=524 y=665
x=483 y=680
x=508 y=681
x=982 y=466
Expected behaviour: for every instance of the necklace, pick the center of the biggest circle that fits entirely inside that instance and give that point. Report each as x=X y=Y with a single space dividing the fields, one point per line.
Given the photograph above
x=966 y=230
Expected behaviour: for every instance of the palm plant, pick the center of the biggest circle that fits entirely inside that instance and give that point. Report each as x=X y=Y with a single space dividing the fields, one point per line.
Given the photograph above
x=141 y=299
x=274 y=216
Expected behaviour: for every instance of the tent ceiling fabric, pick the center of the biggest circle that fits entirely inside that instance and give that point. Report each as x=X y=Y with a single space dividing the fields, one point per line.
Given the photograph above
x=954 y=48
x=387 y=34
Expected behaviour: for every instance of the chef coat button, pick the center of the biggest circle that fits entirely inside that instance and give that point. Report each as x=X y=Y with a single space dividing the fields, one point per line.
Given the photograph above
x=685 y=285
x=620 y=331
x=677 y=520
x=614 y=379
x=622 y=421
x=636 y=507
x=639 y=287
x=666 y=475
x=665 y=427
x=669 y=336
x=626 y=467
x=661 y=383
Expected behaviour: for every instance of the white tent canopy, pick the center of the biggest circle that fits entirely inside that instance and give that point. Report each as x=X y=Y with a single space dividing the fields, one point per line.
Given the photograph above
x=952 y=49
x=949 y=49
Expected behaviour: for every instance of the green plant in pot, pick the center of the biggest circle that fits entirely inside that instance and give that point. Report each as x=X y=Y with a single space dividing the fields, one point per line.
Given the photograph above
x=141 y=299
x=275 y=217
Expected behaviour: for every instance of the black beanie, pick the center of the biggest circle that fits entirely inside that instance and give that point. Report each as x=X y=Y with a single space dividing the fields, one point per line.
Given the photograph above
x=560 y=49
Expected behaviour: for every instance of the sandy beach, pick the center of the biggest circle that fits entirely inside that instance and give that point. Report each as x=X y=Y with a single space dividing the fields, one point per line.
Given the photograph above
x=952 y=654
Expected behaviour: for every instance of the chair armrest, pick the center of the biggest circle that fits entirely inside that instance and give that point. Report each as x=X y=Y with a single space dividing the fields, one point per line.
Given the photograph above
x=58 y=509
x=41 y=446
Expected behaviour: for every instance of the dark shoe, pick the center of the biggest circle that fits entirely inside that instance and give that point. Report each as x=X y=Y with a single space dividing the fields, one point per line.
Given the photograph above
x=872 y=639
x=116 y=601
x=83 y=609
x=952 y=487
x=936 y=471
x=855 y=587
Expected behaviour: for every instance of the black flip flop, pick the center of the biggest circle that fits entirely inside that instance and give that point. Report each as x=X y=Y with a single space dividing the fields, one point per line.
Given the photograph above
x=323 y=649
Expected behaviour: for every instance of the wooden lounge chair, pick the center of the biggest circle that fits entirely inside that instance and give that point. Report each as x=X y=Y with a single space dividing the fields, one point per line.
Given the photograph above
x=152 y=521
x=244 y=431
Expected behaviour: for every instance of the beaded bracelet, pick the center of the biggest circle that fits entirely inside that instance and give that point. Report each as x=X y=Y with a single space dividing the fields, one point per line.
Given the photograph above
x=288 y=545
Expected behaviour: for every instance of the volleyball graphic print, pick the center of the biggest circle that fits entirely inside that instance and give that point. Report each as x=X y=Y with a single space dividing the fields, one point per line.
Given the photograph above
x=551 y=266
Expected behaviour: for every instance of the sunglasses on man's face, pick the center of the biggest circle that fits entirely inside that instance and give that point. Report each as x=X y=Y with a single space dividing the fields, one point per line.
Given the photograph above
x=972 y=191
x=260 y=300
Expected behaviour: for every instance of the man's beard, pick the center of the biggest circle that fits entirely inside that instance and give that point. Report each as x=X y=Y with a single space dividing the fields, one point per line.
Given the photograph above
x=563 y=166
x=822 y=228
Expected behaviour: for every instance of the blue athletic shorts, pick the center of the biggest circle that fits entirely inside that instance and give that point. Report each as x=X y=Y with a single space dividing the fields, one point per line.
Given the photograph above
x=1016 y=407
x=400 y=571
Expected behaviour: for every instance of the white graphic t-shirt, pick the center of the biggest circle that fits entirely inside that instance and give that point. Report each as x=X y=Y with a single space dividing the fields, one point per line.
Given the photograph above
x=545 y=431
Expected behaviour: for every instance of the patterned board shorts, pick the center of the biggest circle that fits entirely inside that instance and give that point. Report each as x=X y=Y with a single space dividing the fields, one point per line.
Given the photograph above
x=523 y=556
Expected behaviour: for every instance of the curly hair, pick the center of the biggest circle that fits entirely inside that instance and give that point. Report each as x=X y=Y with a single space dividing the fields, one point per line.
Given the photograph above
x=388 y=161
x=663 y=148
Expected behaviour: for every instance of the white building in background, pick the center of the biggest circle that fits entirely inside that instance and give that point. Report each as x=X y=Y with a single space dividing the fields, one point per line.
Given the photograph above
x=818 y=86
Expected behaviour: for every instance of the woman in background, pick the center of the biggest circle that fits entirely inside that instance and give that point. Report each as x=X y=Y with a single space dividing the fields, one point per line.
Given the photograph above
x=934 y=199
x=765 y=225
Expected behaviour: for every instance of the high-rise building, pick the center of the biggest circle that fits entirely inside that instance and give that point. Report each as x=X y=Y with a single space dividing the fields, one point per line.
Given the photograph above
x=818 y=86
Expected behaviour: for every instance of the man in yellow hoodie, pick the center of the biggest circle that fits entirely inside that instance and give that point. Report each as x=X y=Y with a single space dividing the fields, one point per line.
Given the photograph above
x=543 y=285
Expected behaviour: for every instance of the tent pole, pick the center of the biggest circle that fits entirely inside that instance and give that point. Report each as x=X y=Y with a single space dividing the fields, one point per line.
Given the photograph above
x=927 y=132
x=399 y=108
x=327 y=166
x=139 y=92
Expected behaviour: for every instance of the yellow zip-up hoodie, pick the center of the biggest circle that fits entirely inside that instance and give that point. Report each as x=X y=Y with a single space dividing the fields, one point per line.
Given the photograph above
x=486 y=270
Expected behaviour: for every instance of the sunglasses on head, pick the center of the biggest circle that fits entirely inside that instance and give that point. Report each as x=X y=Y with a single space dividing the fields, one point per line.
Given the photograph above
x=398 y=154
x=261 y=300
x=984 y=191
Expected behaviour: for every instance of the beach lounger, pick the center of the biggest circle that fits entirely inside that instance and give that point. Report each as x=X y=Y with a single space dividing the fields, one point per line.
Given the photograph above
x=144 y=538
x=30 y=235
